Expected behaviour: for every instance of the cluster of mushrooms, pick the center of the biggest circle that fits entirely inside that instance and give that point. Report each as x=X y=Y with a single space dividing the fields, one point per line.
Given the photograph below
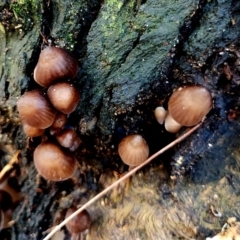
x=48 y=108
x=187 y=106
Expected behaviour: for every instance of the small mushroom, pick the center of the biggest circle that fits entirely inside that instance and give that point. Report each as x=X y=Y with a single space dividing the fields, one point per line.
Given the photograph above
x=53 y=162
x=54 y=64
x=58 y=123
x=171 y=125
x=10 y=194
x=64 y=97
x=133 y=150
x=188 y=105
x=79 y=223
x=68 y=138
x=32 y=131
x=160 y=114
x=11 y=189
x=35 y=109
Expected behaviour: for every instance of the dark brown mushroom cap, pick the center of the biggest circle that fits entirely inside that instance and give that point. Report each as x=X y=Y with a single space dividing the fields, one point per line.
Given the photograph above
x=79 y=223
x=55 y=64
x=133 y=150
x=64 y=97
x=58 y=123
x=35 y=109
x=188 y=105
x=53 y=162
x=68 y=138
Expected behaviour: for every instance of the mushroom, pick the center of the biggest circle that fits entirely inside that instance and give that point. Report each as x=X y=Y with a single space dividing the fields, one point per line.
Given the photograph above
x=160 y=114
x=171 y=125
x=10 y=194
x=32 y=131
x=64 y=97
x=58 y=123
x=133 y=150
x=68 y=138
x=35 y=109
x=53 y=162
x=187 y=106
x=6 y=206
x=79 y=223
x=55 y=64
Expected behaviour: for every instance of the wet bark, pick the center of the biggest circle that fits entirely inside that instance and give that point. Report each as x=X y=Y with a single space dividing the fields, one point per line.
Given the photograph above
x=131 y=56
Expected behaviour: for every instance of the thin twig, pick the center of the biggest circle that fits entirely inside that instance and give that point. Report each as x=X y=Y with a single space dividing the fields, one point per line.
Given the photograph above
x=8 y=169
x=44 y=38
x=130 y=173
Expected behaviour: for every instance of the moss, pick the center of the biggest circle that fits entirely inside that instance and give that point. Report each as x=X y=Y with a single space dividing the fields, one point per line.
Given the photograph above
x=26 y=12
x=67 y=31
x=71 y=21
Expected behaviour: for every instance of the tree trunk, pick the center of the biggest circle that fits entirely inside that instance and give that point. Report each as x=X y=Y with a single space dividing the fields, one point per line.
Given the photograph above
x=132 y=55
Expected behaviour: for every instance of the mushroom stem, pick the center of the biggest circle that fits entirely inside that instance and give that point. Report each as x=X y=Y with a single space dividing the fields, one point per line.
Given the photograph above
x=98 y=196
x=171 y=125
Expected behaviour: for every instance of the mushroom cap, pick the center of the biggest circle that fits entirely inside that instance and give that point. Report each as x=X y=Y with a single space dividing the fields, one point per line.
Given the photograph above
x=68 y=138
x=35 y=109
x=54 y=163
x=64 y=97
x=32 y=131
x=133 y=150
x=188 y=105
x=160 y=114
x=79 y=223
x=55 y=64
x=58 y=123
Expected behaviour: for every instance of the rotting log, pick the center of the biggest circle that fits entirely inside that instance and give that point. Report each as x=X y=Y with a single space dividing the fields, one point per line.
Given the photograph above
x=131 y=55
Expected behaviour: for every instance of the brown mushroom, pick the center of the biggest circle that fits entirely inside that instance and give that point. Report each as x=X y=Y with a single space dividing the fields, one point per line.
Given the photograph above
x=171 y=125
x=35 y=109
x=68 y=138
x=64 y=97
x=160 y=114
x=55 y=64
x=53 y=162
x=58 y=123
x=189 y=105
x=79 y=223
x=32 y=131
x=133 y=150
